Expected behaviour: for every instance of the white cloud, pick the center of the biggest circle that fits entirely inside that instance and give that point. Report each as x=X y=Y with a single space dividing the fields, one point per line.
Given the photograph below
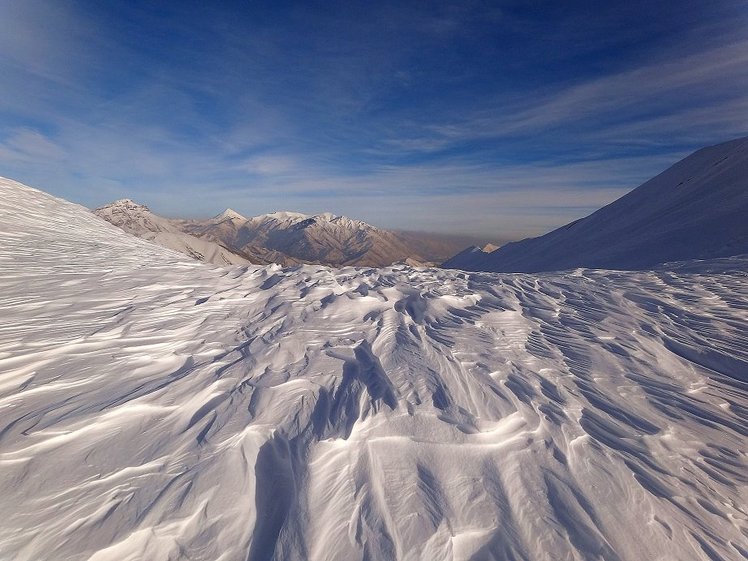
x=268 y=165
x=665 y=90
x=27 y=145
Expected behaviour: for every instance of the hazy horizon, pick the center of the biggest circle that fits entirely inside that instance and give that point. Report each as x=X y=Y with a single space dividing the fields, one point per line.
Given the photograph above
x=493 y=120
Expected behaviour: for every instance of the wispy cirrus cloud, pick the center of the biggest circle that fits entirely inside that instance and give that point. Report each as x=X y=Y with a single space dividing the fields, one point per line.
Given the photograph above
x=479 y=117
x=30 y=146
x=703 y=91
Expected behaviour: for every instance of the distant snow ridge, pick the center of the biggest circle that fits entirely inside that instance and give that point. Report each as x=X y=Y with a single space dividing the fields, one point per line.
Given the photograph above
x=155 y=408
x=285 y=238
x=697 y=209
x=138 y=220
x=324 y=238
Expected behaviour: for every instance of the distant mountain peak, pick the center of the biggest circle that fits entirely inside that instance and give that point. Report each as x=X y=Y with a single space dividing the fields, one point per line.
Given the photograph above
x=230 y=214
x=126 y=204
x=283 y=237
x=139 y=221
x=284 y=215
x=464 y=258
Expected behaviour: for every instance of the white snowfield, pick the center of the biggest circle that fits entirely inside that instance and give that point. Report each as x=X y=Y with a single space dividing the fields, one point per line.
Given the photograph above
x=156 y=408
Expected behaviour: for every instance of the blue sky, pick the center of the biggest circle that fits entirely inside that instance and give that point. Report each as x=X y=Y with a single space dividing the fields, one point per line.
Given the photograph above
x=499 y=119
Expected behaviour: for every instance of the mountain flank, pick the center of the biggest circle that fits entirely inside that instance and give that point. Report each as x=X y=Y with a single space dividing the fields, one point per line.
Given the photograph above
x=285 y=238
x=696 y=209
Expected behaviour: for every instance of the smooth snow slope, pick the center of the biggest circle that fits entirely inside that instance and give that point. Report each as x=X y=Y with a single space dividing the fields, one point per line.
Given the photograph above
x=696 y=209
x=155 y=408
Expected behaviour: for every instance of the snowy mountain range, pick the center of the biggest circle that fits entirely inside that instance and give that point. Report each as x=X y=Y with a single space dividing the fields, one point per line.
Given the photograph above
x=285 y=238
x=697 y=209
x=138 y=220
x=153 y=407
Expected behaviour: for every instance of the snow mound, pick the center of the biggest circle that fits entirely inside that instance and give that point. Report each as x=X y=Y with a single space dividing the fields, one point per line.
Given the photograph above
x=154 y=408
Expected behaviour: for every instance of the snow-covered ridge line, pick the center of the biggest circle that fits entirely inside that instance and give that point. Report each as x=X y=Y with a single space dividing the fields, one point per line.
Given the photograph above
x=696 y=209
x=138 y=220
x=154 y=408
x=285 y=238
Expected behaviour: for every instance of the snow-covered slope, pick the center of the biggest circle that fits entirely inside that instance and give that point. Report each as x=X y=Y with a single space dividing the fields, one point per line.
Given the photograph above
x=470 y=258
x=138 y=220
x=155 y=408
x=697 y=209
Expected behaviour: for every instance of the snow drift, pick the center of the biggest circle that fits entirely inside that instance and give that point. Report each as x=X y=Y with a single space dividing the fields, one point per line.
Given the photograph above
x=153 y=407
x=697 y=209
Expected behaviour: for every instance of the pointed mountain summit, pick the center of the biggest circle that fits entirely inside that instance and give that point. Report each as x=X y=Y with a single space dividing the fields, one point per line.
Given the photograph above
x=125 y=203
x=468 y=259
x=124 y=207
x=282 y=237
x=138 y=220
x=229 y=214
x=134 y=218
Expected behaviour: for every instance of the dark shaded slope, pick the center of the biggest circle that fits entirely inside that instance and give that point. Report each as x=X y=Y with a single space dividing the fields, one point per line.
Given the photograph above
x=696 y=209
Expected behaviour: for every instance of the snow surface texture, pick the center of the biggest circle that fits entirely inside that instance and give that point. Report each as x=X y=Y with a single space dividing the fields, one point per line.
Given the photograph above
x=696 y=209
x=153 y=407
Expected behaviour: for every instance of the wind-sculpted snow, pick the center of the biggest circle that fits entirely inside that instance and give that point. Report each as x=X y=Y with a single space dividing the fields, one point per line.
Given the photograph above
x=153 y=408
